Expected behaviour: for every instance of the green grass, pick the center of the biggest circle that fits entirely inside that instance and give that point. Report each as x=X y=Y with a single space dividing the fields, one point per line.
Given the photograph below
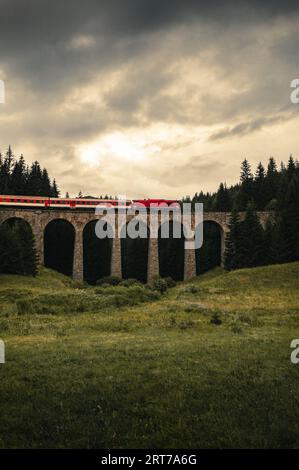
x=97 y=367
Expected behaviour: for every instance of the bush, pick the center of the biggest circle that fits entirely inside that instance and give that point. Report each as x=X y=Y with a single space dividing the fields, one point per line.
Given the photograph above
x=24 y=306
x=237 y=329
x=186 y=324
x=216 y=320
x=111 y=280
x=128 y=296
x=102 y=287
x=189 y=289
x=158 y=284
x=170 y=282
x=196 y=308
x=130 y=282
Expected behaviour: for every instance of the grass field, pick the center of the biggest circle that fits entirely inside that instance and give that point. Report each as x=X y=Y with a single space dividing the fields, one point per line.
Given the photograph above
x=126 y=367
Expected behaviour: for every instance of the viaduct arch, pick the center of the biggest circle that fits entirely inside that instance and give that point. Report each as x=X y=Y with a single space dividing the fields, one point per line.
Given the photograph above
x=39 y=219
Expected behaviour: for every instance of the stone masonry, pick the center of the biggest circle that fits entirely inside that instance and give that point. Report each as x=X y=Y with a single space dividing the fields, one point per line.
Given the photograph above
x=40 y=218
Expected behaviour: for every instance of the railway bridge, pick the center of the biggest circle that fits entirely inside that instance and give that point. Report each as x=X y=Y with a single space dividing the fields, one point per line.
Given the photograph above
x=38 y=219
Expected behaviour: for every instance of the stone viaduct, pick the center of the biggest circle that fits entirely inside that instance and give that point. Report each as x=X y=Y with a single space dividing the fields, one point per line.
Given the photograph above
x=40 y=218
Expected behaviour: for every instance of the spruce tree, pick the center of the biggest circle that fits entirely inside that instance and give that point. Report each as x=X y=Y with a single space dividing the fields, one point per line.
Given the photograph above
x=252 y=240
x=28 y=250
x=222 y=202
x=34 y=182
x=54 y=190
x=7 y=166
x=246 y=193
x=232 y=242
x=271 y=181
x=18 y=177
x=259 y=187
x=10 y=251
x=45 y=184
x=289 y=223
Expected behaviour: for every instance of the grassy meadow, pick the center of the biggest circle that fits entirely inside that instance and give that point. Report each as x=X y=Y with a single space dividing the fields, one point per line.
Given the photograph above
x=207 y=364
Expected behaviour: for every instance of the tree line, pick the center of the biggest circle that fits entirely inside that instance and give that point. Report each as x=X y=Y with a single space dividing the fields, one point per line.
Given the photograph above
x=18 y=178
x=248 y=244
x=265 y=188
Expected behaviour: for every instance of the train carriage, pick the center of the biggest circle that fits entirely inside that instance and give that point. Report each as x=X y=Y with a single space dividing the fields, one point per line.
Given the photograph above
x=81 y=203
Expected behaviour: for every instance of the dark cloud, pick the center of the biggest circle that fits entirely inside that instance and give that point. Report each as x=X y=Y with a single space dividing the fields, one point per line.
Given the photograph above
x=245 y=128
x=76 y=71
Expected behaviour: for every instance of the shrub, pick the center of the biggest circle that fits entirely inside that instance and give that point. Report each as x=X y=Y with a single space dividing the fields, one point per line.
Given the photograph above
x=192 y=289
x=102 y=287
x=24 y=306
x=170 y=282
x=251 y=320
x=130 y=282
x=128 y=296
x=158 y=284
x=189 y=289
x=193 y=308
x=216 y=320
x=111 y=280
x=237 y=329
x=186 y=324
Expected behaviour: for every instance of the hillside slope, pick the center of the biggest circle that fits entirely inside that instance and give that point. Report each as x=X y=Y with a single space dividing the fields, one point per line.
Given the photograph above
x=120 y=368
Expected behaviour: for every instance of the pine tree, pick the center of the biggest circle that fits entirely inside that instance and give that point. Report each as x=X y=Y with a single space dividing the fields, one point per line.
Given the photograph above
x=246 y=193
x=252 y=250
x=45 y=184
x=291 y=169
x=289 y=223
x=7 y=166
x=222 y=202
x=272 y=167
x=34 y=182
x=18 y=177
x=28 y=249
x=10 y=251
x=232 y=242
x=271 y=181
x=259 y=187
x=54 y=190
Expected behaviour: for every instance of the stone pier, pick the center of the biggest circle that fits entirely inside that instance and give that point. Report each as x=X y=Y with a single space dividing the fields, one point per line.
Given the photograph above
x=38 y=219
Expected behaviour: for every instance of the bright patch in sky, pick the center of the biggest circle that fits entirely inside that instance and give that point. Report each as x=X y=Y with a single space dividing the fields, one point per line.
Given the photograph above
x=138 y=145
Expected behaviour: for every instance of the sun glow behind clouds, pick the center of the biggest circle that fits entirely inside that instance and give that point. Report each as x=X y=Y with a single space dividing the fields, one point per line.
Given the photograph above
x=116 y=144
x=137 y=145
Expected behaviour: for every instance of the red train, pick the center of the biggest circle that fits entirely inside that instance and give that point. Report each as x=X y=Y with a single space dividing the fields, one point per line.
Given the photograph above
x=80 y=203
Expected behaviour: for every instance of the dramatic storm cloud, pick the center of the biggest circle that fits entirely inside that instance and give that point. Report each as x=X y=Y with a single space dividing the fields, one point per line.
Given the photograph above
x=148 y=98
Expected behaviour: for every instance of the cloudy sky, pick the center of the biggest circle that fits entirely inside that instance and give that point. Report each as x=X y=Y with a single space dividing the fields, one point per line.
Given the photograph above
x=148 y=97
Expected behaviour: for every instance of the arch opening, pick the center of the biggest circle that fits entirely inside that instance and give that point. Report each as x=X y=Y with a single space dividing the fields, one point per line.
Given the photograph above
x=59 y=239
x=209 y=255
x=134 y=254
x=96 y=253
x=172 y=252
